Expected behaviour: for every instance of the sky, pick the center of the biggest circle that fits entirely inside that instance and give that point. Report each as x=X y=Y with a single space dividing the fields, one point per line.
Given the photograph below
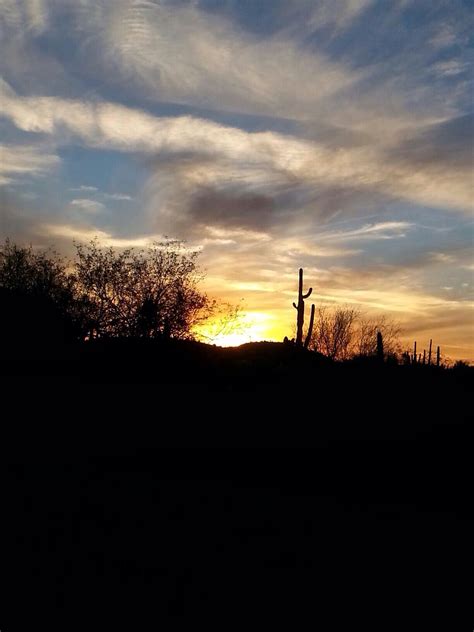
x=333 y=135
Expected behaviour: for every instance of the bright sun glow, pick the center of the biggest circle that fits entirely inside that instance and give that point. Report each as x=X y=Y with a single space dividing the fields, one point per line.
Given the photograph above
x=250 y=327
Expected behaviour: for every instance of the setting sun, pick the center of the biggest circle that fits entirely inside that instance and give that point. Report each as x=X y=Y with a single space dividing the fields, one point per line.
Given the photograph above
x=247 y=327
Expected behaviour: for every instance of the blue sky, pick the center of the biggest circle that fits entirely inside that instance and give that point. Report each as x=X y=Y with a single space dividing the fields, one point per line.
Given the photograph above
x=335 y=135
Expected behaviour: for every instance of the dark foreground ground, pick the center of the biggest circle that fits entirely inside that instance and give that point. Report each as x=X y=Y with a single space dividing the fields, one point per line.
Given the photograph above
x=187 y=485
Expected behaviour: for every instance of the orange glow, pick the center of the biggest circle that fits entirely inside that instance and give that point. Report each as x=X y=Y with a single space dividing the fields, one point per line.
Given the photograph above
x=250 y=327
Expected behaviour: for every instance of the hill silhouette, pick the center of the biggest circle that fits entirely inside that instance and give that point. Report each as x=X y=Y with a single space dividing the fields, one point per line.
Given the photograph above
x=128 y=491
x=353 y=399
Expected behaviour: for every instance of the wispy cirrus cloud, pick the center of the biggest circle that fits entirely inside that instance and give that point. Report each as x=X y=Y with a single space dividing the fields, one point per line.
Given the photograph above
x=84 y=188
x=121 y=197
x=377 y=231
x=336 y=15
x=20 y=161
x=451 y=68
x=71 y=232
x=182 y=54
x=210 y=173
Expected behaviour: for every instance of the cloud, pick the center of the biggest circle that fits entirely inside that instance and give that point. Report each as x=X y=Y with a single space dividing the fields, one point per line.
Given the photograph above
x=23 y=16
x=249 y=210
x=117 y=196
x=18 y=161
x=181 y=53
x=381 y=230
x=445 y=149
x=450 y=68
x=109 y=196
x=444 y=37
x=85 y=234
x=86 y=205
x=334 y=14
x=185 y=55
x=178 y=52
x=84 y=188
x=203 y=172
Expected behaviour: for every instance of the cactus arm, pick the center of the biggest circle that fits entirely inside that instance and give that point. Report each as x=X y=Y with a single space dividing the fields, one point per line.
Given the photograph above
x=295 y=305
x=310 y=328
x=308 y=294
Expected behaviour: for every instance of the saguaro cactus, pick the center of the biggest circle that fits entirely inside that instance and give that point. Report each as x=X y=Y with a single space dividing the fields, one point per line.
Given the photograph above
x=300 y=314
x=414 y=352
x=438 y=356
x=429 y=352
x=379 y=346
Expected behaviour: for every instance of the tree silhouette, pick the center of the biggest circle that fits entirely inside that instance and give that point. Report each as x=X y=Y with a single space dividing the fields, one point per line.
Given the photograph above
x=146 y=293
x=333 y=333
x=38 y=298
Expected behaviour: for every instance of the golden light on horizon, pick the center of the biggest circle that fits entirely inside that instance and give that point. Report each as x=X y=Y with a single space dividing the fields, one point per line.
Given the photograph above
x=249 y=327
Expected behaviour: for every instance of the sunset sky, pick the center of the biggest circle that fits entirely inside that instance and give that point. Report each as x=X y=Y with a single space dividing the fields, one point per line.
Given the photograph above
x=334 y=135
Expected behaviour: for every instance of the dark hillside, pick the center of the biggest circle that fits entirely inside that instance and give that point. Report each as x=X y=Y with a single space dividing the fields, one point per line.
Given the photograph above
x=159 y=482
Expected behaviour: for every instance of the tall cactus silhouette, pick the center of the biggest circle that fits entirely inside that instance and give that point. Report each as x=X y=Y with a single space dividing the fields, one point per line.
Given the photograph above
x=300 y=314
x=429 y=352
x=438 y=356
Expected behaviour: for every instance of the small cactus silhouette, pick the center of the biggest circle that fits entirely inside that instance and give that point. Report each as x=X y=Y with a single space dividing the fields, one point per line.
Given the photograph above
x=380 y=354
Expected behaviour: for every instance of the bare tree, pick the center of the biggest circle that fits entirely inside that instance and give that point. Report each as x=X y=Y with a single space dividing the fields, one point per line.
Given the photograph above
x=141 y=293
x=344 y=332
x=365 y=338
x=333 y=333
x=227 y=320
